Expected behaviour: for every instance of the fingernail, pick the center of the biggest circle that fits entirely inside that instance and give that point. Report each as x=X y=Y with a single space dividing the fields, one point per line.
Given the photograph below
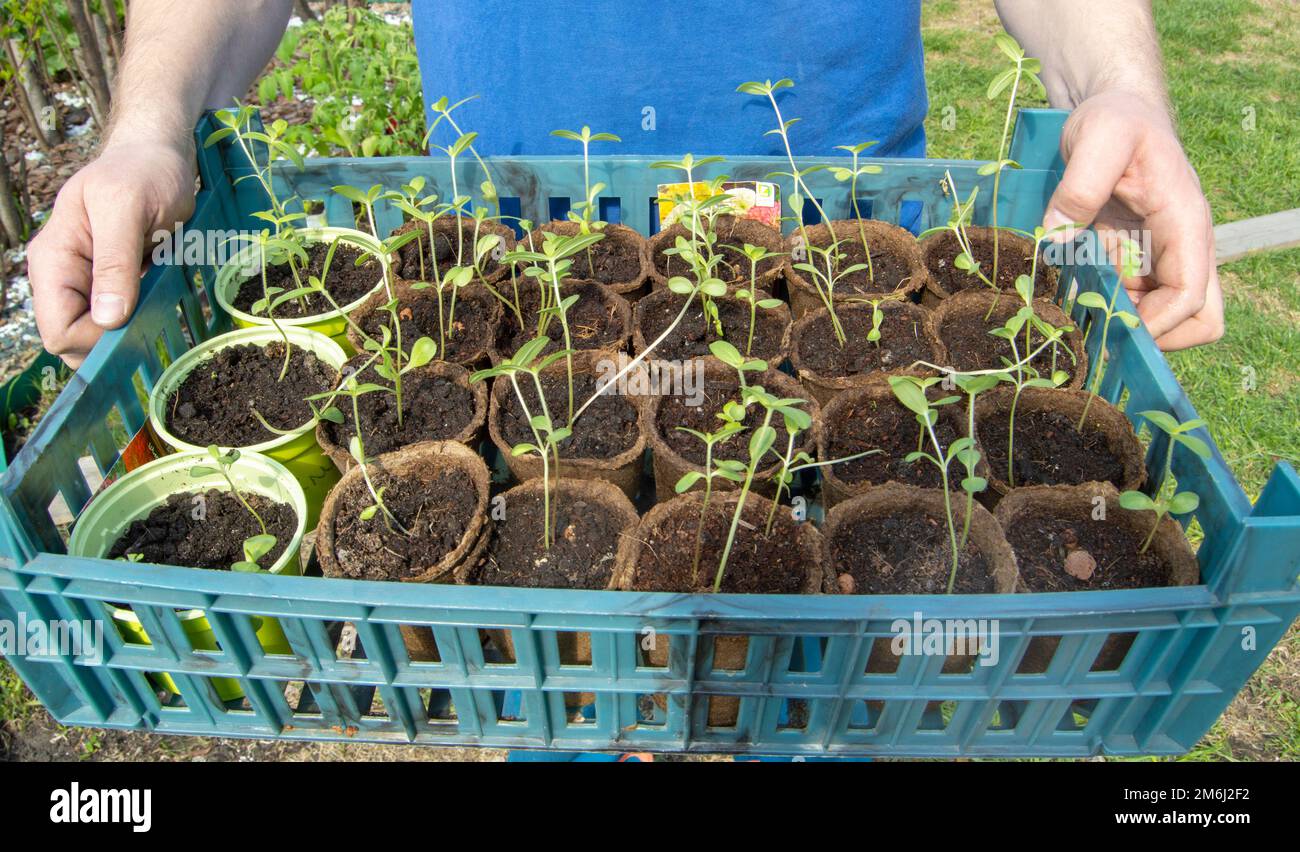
x=1055 y=219
x=108 y=309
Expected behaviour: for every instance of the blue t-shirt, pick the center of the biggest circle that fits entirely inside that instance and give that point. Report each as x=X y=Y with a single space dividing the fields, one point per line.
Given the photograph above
x=663 y=75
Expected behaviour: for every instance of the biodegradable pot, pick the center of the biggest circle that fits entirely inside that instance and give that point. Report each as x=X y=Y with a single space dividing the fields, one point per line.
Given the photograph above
x=778 y=317
x=939 y=248
x=967 y=310
x=847 y=408
x=613 y=312
x=1104 y=419
x=298 y=450
x=669 y=465
x=1075 y=505
x=628 y=243
x=407 y=262
x=470 y=435
x=919 y=342
x=142 y=490
x=332 y=324
x=891 y=498
x=420 y=308
x=729 y=652
x=419 y=461
x=880 y=235
x=730 y=232
x=574 y=647
x=623 y=470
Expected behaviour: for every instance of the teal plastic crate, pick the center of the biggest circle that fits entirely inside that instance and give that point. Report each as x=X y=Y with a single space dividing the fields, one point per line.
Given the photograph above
x=804 y=688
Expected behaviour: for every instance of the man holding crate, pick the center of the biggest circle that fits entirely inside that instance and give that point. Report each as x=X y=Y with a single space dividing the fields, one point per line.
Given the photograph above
x=662 y=76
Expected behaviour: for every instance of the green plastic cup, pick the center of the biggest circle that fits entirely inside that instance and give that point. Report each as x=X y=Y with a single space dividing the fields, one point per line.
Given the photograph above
x=332 y=324
x=137 y=493
x=297 y=451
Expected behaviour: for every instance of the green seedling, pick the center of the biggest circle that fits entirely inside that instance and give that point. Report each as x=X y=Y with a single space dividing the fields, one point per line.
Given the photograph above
x=911 y=392
x=755 y=255
x=443 y=111
x=366 y=199
x=877 y=315
x=761 y=441
x=851 y=175
x=732 y=470
x=1024 y=69
x=1017 y=370
x=729 y=355
x=972 y=483
x=825 y=288
x=256 y=546
x=550 y=266
x=547 y=436
x=585 y=212
x=1180 y=502
x=1130 y=266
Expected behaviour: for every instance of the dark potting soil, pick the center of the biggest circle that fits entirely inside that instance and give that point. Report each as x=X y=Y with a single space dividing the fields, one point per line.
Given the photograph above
x=436 y=512
x=1049 y=449
x=872 y=424
x=172 y=535
x=693 y=335
x=445 y=243
x=908 y=552
x=214 y=403
x=606 y=429
x=594 y=321
x=608 y=262
x=471 y=324
x=888 y=271
x=902 y=343
x=758 y=563
x=586 y=536
x=346 y=282
x=684 y=411
x=1013 y=262
x=971 y=347
x=1042 y=540
x=434 y=408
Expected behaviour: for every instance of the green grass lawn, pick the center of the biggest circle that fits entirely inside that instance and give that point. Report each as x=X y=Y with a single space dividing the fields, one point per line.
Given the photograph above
x=1227 y=61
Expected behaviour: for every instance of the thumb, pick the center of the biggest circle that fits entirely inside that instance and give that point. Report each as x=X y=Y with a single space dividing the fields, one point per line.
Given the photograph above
x=117 y=243
x=1096 y=156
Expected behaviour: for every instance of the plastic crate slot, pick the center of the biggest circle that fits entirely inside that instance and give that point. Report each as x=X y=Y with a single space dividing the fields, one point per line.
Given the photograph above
x=653 y=218
x=864 y=207
x=573 y=648
x=727 y=653
x=865 y=715
x=794 y=715
x=809 y=214
x=1038 y=655
x=881 y=659
x=421 y=644
x=911 y=214
x=557 y=206
x=651 y=710
x=439 y=708
x=512 y=210
x=496 y=651
x=611 y=209
x=579 y=709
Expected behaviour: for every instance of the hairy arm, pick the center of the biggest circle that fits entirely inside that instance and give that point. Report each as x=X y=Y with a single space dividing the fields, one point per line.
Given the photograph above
x=181 y=58
x=1125 y=166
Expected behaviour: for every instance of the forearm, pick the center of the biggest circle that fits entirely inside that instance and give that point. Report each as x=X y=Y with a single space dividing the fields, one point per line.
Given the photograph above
x=1090 y=48
x=183 y=57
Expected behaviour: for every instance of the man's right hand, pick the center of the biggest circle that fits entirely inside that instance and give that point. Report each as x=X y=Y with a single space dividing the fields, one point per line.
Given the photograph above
x=85 y=263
